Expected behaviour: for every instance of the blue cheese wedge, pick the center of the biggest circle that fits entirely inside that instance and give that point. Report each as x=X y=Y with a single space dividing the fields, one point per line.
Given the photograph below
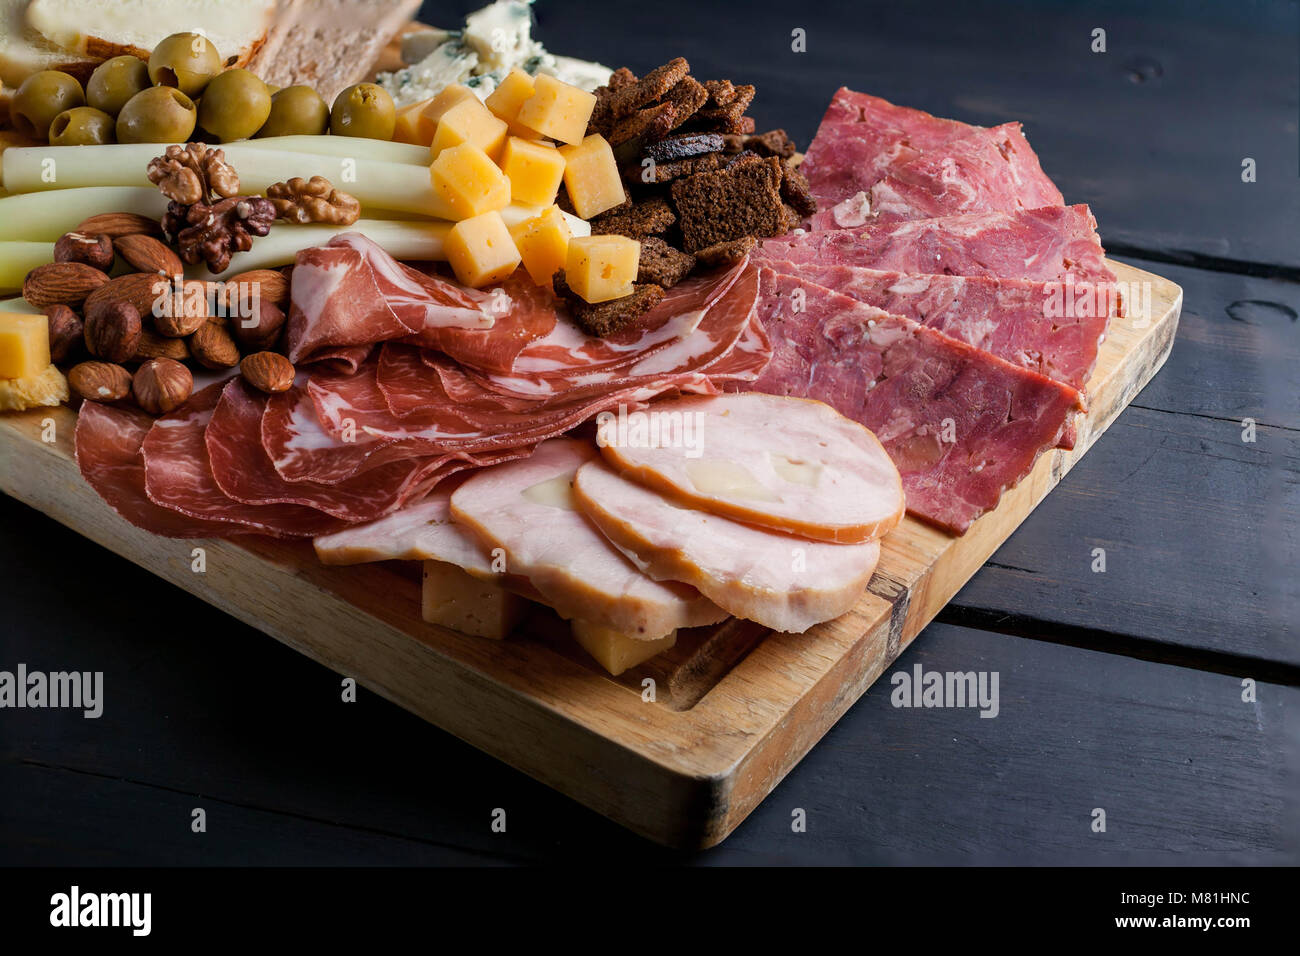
x=493 y=41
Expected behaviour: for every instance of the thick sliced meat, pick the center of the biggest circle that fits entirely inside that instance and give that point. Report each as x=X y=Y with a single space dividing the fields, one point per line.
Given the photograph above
x=961 y=425
x=1052 y=328
x=1047 y=245
x=352 y=293
x=178 y=475
x=793 y=466
x=527 y=509
x=862 y=137
x=783 y=582
x=988 y=170
x=108 y=442
x=244 y=472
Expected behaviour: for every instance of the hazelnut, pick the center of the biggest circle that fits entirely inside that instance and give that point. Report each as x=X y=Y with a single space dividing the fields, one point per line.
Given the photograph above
x=66 y=332
x=162 y=384
x=263 y=329
x=93 y=251
x=112 y=331
x=100 y=381
x=212 y=346
x=267 y=371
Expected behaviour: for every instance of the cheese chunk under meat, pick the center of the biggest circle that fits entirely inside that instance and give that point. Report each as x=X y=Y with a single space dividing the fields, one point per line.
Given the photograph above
x=781 y=581
x=795 y=466
x=526 y=507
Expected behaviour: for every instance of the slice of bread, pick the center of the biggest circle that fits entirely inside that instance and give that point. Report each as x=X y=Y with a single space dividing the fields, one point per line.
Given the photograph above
x=329 y=44
x=100 y=29
x=24 y=51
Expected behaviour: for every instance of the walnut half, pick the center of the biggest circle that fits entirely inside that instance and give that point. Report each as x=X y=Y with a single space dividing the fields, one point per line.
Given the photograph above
x=313 y=200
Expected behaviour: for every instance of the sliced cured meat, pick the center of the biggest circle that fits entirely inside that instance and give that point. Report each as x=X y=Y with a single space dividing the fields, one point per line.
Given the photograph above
x=339 y=358
x=178 y=475
x=1052 y=328
x=108 y=442
x=794 y=466
x=352 y=293
x=783 y=582
x=961 y=425
x=524 y=312
x=1047 y=245
x=243 y=471
x=862 y=137
x=527 y=509
x=988 y=170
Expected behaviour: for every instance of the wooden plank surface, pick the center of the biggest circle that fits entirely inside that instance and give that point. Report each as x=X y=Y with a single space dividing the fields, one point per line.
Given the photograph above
x=1151 y=133
x=683 y=772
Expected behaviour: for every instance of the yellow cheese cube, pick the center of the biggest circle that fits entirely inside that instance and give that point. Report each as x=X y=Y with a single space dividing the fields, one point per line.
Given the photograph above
x=468 y=183
x=469 y=122
x=557 y=109
x=616 y=652
x=24 y=345
x=481 y=251
x=591 y=177
x=600 y=268
x=543 y=244
x=506 y=99
x=407 y=129
x=452 y=598
x=436 y=107
x=534 y=170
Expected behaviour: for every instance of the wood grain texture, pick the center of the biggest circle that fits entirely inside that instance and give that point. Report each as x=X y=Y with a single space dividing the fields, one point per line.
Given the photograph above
x=684 y=773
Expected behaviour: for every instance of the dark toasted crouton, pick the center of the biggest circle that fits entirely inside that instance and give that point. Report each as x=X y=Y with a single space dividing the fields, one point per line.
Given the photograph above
x=649 y=89
x=725 y=253
x=742 y=200
x=662 y=264
x=684 y=147
x=644 y=126
x=646 y=217
x=796 y=191
x=687 y=97
x=605 y=318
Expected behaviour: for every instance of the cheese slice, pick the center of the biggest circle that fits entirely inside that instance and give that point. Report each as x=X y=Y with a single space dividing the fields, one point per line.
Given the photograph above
x=455 y=599
x=616 y=652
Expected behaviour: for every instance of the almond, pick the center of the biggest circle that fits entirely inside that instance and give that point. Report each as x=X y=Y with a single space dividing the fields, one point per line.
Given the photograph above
x=183 y=314
x=153 y=345
x=267 y=371
x=212 y=346
x=100 y=381
x=147 y=254
x=141 y=289
x=114 y=224
x=267 y=284
x=61 y=283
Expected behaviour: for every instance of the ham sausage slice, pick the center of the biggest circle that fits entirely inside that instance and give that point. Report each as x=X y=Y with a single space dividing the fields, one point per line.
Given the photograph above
x=783 y=582
x=527 y=508
x=793 y=466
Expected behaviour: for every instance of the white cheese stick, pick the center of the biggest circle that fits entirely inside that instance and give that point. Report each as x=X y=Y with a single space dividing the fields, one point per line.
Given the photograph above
x=357 y=147
x=45 y=216
x=402 y=240
x=19 y=258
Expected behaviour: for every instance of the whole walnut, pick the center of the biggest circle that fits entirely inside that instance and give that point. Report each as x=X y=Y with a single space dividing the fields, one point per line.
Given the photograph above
x=212 y=234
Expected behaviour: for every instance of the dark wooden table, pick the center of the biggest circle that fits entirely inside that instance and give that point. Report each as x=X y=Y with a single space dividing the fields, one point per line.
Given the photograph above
x=1121 y=690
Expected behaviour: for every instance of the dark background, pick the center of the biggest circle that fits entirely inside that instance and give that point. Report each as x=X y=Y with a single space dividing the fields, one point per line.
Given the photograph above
x=1119 y=690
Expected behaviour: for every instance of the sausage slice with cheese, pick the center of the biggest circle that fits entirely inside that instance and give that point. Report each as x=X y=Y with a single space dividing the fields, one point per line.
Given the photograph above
x=783 y=582
x=526 y=508
x=789 y=464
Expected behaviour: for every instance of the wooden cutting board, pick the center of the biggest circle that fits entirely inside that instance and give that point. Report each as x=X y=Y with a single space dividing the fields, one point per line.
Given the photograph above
x=733 y=708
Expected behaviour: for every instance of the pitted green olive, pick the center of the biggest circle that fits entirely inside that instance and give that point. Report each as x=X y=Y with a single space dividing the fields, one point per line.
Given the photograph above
x=186 y=61
x=42 y=97
x=159 y=114
x=82 y=126
x=115 y=81
x=364 y=110
x=296 y=110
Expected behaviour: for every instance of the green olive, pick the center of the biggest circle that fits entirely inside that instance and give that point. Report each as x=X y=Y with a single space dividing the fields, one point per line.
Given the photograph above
x=42 y=97
x=159 y=114
x=115 y=81
x=364 y=110
x=234 y=106
x=186 y=61
x=296 y=110
x=82 y=126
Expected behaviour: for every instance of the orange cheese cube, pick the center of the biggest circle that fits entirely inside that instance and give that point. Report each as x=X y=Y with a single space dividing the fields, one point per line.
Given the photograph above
x=436 y=107
x=467 y=182
x=557 y=109
x=407 y=129
x=543 y=244
x=481 y=251
x=591 y=177
x=506 y=99
x=600 y=268
x=469 y=122
x=24 y=344
x=534 y=170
